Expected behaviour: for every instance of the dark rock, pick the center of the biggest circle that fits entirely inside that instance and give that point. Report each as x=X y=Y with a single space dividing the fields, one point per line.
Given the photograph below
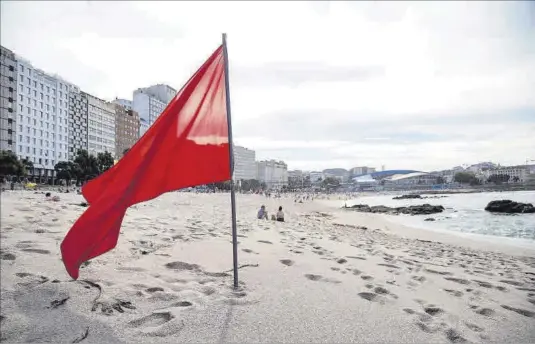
x=408 y=197
x=510 y=207
x=430 y=219
x=425 y=209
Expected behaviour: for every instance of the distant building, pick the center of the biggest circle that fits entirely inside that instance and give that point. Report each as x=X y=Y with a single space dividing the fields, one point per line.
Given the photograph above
x=143 y=127
x=517 y=174
x=124 y=102
x=410 y=179
x=337 y=173
x=273 y=173
x=149 y=103
x=126 y=129
x=244 y=163
x=101 y=127
x=8 y=100
x=362 y=170
x=316 y=177
x=78 y=122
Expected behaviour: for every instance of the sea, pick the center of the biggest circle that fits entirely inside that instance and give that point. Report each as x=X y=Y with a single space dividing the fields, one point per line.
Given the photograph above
x=465 y=213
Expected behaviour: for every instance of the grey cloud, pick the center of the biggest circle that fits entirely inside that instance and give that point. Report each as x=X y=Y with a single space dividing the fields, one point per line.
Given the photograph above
x=359 y=127
x=295 y=73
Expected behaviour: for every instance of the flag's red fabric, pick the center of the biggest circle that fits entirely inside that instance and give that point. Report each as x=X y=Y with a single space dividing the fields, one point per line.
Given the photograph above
x=186 y=146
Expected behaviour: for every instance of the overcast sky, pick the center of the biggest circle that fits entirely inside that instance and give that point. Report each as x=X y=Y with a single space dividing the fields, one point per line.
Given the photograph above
x=422 y=85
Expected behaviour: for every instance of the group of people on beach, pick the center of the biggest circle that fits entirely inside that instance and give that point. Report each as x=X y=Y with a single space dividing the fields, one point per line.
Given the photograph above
x=263 y=215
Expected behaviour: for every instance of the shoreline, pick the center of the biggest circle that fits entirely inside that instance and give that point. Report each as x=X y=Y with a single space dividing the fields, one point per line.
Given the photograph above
x=322 y=277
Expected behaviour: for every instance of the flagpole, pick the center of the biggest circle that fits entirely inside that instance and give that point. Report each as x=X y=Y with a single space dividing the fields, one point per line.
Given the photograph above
x=231 y=155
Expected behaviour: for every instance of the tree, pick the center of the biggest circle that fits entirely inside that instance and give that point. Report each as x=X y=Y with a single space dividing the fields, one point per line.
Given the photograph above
x=87 y=163
x=498 y=178
x=465 y=178
x=331 y=181
x=10 y=164
x=441 y=180
x=104 y=161
x=67 y=170
x=250 y=184
x=28 y=165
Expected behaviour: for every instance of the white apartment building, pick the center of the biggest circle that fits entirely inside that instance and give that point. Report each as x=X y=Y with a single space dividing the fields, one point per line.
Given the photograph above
x=273 y=173
x=149 y=103
x=361 y=170
x=101 y=126
x=244 y=163
x=514 y=172
x=128 y=105
x=42 y=118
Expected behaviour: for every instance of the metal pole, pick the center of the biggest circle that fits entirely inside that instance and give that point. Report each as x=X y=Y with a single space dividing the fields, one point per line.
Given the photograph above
x=231 y=155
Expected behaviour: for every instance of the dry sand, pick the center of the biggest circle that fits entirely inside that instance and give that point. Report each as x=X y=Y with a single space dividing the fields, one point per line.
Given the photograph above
x=319 y=277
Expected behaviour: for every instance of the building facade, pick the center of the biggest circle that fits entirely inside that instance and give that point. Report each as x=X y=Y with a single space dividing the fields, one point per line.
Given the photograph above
x=101 y=126
x=273 y=173
x=78 y=122
x=244 y=163
x=8 y=100
x=517 y=174
x=42 y=118
x=126 y=129
x=361 y=170
x=149 y=103
x=124 y=102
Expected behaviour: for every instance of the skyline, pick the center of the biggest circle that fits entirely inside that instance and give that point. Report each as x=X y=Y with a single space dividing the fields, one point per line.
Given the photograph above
x=401 y=85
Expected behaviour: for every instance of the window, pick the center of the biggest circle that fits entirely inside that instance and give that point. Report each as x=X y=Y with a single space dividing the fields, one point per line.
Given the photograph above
x=28 y=90
x=21 y=68
x=48 y=89
x=21 y=108
x=28 y=110
x=35 y=84
x=34 y=149
x=47 y=98
x=21 y=97
x=29 y=72
x=41 y=95
x=21 y=77
x=34 y=93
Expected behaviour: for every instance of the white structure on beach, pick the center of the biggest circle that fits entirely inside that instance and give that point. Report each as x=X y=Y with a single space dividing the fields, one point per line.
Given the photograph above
x=42 y=117
x=273 y=173
x=411 y=179
x=244 y=163
x=149 y=103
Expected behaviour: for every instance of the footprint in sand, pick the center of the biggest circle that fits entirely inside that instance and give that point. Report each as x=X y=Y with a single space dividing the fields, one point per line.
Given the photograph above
x=520 y=311
x=457 y=280
x=7 y=256
x=287 y=262
x=265 y=242
x=453 y=292
x=35 y=250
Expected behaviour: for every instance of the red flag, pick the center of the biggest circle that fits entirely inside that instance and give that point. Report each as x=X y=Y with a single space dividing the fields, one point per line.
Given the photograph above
x=187 y=145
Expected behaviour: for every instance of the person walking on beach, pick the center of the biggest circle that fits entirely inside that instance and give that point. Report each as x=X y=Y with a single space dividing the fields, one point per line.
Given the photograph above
x=262 y=213
x=280 y=215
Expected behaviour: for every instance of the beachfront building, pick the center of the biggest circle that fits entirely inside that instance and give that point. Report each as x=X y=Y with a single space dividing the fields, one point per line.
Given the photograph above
x=126 y=129
x=316 y=177
x=244 y=163
x=127 y=104
x=337 y=173
x=149 y=103
x=273 y=173
x=517 y=174
x=101 y=126
x=361 y=170
x=42 y=118
x=8 y=100
x=77 y=121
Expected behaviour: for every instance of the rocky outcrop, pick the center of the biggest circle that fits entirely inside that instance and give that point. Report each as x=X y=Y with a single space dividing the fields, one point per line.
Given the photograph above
x=408 y=197
x=416 y=197
x=424 y=209
x=509 y=207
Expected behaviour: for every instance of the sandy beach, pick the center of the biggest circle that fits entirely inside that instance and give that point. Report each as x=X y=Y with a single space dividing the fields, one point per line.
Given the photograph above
x=324 y=276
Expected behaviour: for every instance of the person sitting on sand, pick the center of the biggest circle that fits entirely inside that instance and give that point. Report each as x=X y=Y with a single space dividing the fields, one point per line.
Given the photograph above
x=280 y=215
x=262 y=213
